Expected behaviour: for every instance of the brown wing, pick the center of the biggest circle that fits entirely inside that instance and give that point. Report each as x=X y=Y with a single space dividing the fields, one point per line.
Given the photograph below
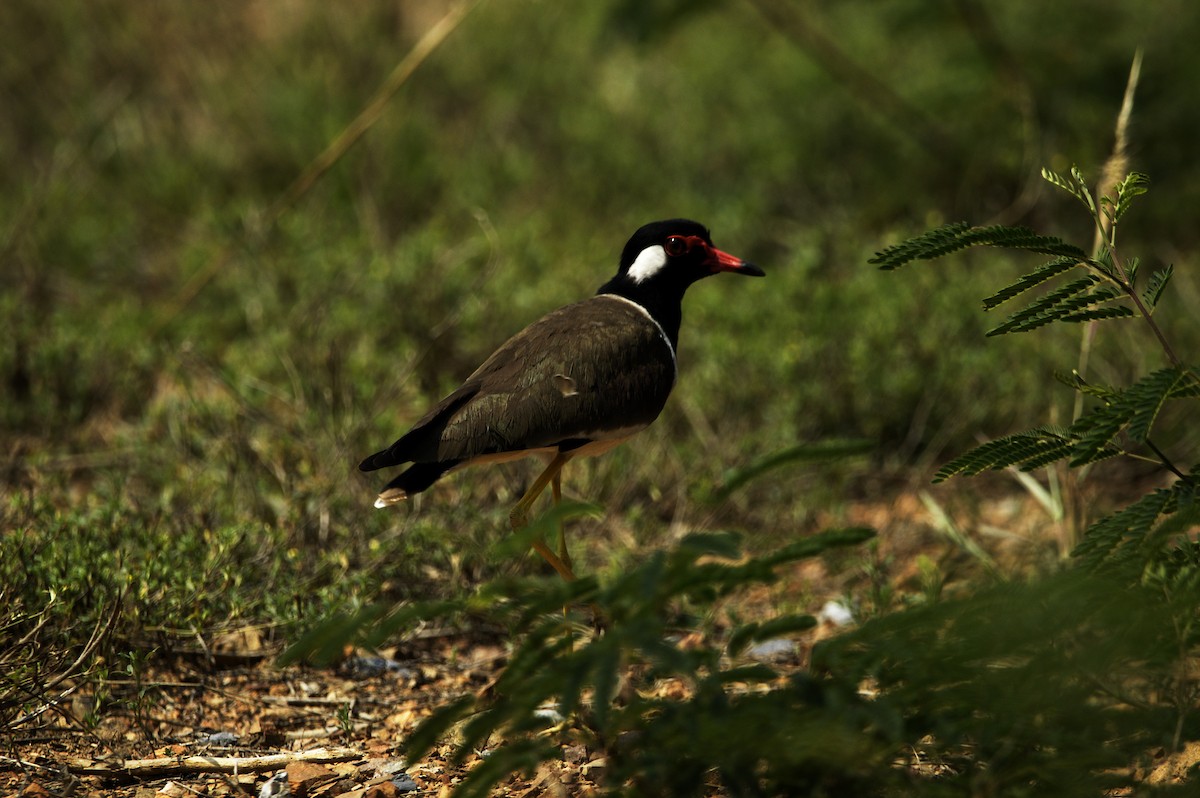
x=420 y=444
x=595 y=369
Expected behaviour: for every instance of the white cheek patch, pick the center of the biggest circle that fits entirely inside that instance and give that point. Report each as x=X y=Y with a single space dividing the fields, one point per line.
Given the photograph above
x=649 y=263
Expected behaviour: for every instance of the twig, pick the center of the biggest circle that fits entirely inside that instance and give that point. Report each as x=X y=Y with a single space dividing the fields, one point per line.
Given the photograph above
x=327 y=731
x=371 y=113
x=1106 y=233
x=1114 y=170
x=1118 y=162
x=1166 y=461
x=1146 y=317
x=323 y=162
x=876 y=95
x=173 y=766
x=47 y=704
x=299 y=703
x=99 y=632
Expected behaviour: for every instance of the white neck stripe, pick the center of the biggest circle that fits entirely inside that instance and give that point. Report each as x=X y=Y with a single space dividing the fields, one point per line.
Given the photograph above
x=661 y=331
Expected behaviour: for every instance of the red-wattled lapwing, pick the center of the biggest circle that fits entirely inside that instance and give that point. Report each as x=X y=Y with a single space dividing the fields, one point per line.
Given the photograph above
x=578 y=381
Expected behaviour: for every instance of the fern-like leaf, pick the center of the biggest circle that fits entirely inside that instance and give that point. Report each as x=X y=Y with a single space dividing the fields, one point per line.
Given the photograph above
x=1158 y=283
x=1108 y=540
x=1096 y=430
x=422 y=740
x=1075 y=185
x=1132 y=266
x=1135 y=184
x=1095 y=314
x=1078 y=383
x=1103 y=262
x=1052 y=452
x=1042 y=310
x=1067 y=185
x=1068 y=308
x=1083 y=192
x=1034 y=278
x=1023 y=238
x=1189 y=388
x=1147 y=398
x=959 y=235
x=1028 y=450
x=1185 y=518
x=1135 y=408
x=920 y=247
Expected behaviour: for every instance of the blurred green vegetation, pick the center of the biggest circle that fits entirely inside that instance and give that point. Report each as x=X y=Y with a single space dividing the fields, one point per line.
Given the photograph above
x=167 y=363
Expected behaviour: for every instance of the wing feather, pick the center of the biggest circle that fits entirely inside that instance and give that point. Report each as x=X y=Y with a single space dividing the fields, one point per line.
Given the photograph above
x=615 y=358
x=620 y=365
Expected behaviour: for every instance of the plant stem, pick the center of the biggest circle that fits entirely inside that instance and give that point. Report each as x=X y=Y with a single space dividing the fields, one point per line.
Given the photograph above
x=1166 y=461
x=1121 y=279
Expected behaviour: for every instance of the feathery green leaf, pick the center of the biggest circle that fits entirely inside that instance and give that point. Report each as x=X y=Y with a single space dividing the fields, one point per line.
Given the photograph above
x=1054 y=178
x=1094 y=432
x=1042 y=310
x=1082 y=189
x=959 y=235
x=1034 y=278
x=1132 y=266
x=1189 y=388
x=1075 y=185
x=920 y=247
x=1136 y=407
x=1102 y=262
x=1147 y=398
x=1158 y=283
x=1109 y=538
x=1030 y=449
x=1078 y=383
x=1135 y=184
x=1095 y=314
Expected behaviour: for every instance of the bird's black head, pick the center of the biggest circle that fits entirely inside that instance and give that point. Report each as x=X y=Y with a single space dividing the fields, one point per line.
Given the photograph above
x=676 y=252
x=661 y=260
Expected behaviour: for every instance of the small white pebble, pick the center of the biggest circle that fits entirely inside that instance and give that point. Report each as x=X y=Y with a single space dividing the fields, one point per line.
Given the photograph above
x=549 y=714
x=275 y=786
x=836 y=613
x=769 y=650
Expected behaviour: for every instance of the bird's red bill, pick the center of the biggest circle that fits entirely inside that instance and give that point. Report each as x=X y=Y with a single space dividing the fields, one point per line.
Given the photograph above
x=724 y=262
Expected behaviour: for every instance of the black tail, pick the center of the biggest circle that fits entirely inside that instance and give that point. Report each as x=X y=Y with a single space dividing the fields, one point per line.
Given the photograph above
x=380 y=460
x=423 y=441
x=419 y=476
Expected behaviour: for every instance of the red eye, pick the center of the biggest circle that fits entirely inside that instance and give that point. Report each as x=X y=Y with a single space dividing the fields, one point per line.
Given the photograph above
x=676 y=246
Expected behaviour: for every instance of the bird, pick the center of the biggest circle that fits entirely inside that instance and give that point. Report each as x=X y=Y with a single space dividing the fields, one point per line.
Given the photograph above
x=577 y=382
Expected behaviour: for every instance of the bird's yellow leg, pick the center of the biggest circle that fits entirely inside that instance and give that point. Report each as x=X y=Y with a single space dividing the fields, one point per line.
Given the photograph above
x=519 y=516
x=557 y=564
x=556 y=491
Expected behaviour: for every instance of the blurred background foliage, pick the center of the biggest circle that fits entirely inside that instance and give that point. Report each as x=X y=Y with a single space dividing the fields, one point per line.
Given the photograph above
x=170 y=364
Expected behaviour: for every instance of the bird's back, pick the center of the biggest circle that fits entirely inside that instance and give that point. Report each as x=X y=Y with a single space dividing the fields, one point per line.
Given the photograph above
x=600 y=369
